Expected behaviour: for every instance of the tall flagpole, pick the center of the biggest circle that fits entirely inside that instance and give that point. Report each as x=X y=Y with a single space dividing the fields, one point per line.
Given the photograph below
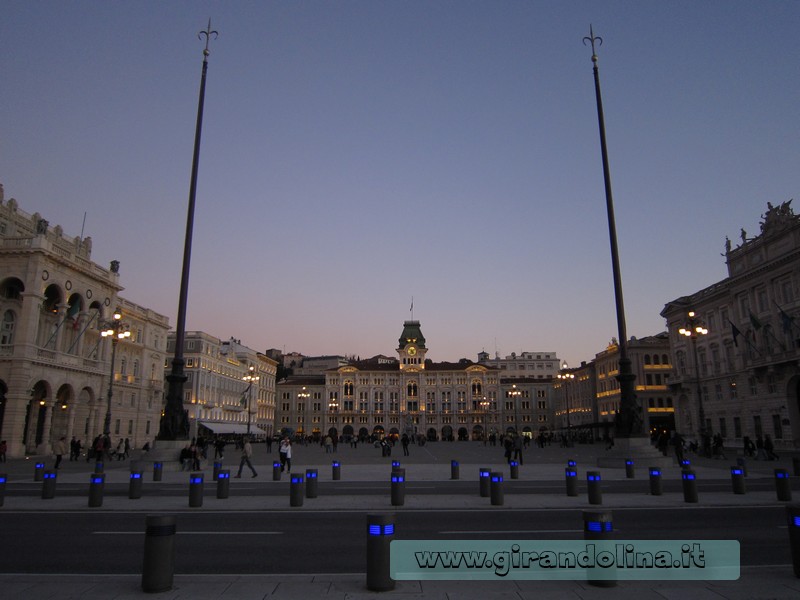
x=175 y=421
x=628 y=421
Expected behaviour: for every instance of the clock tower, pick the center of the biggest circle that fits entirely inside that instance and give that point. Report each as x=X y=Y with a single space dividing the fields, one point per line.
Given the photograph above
x=411 y=347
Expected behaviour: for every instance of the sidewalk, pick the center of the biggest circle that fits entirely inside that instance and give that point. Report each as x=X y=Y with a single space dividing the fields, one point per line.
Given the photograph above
x=429 y=466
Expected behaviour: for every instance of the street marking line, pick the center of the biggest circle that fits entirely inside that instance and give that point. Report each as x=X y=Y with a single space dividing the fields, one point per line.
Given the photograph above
x=457 y=532
x=193 y=533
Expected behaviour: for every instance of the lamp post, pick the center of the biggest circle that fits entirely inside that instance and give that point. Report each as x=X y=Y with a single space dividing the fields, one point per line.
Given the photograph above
x=251 y=378
x=628 y=422
x=565 y=378
x=515 y=394
x=484 y=404
x=116 y=330
x=333 y=407
x=174 y=420
x=693 y=329
x=303 y=396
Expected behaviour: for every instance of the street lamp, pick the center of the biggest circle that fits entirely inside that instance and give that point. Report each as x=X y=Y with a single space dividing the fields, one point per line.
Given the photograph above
x=484 y=404
x=303 y=396
x=116 y=330
x=333 y=407
x=251 y=378
x=515 y=394
x=694 y=328
x=565 y=378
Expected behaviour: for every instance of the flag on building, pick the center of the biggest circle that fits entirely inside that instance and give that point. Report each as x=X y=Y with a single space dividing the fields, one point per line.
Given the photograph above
x=736 y=333
x=754 y=322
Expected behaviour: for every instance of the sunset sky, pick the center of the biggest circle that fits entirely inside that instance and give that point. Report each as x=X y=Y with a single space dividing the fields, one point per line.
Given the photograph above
x=359 y=153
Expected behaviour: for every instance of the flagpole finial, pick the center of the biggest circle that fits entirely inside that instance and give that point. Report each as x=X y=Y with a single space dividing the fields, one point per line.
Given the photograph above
x=208 y=33
x=592 y=38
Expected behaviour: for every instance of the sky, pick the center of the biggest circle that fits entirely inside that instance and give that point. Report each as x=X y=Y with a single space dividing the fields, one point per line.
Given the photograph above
x=357 y=154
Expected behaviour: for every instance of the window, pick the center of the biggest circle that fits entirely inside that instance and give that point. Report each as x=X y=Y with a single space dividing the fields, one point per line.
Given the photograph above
x=723 y=427
x=7 y=331
x=777 y=428
x=737 y=427
x=757 y=425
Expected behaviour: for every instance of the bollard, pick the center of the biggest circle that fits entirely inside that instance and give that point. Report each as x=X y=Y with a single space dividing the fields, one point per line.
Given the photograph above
x=572 y=463
x=195 y=490
x=496 y=489
x=793 y=520
x=276 y=471
x=96 y=486
x=742 y=464
x=223 y=484
x=398 y=487
x=99 y=467
x=514 y=468
x=380 y=533
x=311 y=483
x=3 y=478
x=395 y=464
x=135 y=485
x=296 y=490
x=689 y=486
x=38 y=471
x=629 y=473
x=159 y=554
x=48 y=485
x=599 y=525
x=484 y=474
x=571 y=476
x=686 y=464
x=655 y=481
x=594 y=491
x=454 y=469
x=217 y=469
x=782 y=488
x=336 y=470
x=158 y=469
x=737 y=480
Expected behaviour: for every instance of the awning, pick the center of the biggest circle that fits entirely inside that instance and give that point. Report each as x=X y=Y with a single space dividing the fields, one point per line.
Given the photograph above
x=236 y=428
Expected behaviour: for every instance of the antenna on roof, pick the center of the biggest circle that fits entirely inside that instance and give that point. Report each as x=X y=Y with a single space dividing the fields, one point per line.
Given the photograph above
x=84 y=224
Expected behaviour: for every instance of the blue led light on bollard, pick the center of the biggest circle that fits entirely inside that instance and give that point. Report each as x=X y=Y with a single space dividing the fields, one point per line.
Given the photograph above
x=737 y=480
x=3 y=479
x=48 y=485
x=571 y=476
x=454 y=470
x=686 y=464
x=96 y=485
x=157 y=471
x=380 y=533
x=135 y=485
x=599 y=526
x=629 y=472
x=311 y=483
x=276 y=470
x=217 y=468
x=336 y=470
x=395 y=464
x=398 y=487
x=296 y=490
x=595 y=493
x=689 y=486
x=514 y=469
x=196 y=490
x=793 y=522
x=571 y=463
x=38 y=471
x=223 y=484
x=496 y=489
x=782 y=489
x=483 y=481
x=655 y=481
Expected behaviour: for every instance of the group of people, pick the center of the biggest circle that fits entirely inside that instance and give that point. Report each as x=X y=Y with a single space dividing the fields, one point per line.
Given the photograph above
x=763 y=449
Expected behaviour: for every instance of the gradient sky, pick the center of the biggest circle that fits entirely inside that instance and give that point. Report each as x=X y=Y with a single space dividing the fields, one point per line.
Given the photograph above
x=358 y=153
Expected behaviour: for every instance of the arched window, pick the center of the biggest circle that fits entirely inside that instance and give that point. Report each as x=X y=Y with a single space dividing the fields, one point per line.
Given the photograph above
x=476 y=387
x=7 y=332
x=412 y=389
x=348 y=388
x=647 y=359
x=664 y=359
x=655 y=359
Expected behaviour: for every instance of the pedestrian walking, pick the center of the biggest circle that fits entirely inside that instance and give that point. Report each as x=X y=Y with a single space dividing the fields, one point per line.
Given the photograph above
x=247 y=452
x=59 y=449
x=285 y=452
x=405 y=441
x=769 y=448
x=518 y=448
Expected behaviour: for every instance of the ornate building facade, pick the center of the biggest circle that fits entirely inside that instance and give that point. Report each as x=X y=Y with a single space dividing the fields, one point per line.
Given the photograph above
x=739 y=373
x=230 y=388
x=56 y=373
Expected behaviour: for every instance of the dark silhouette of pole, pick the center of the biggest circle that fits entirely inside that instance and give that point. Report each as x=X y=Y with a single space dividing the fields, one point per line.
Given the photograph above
x=628 y=421
x=175 y=421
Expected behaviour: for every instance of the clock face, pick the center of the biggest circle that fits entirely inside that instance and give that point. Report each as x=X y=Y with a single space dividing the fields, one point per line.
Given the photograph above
x=412 y=351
